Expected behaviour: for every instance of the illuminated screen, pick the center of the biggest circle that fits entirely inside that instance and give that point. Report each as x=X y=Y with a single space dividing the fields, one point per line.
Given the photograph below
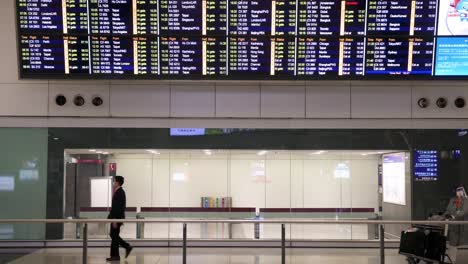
x=7 y=183
x=187 y=132
x=393 y=173
x=426 y=165
x=452 y=56
x=235 y=39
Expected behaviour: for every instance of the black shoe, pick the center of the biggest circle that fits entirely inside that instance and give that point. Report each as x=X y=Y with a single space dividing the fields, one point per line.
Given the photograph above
x=128 y=251
x=113 y=259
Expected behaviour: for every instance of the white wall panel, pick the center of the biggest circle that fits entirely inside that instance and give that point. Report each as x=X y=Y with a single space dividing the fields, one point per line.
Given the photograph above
x=192 y=179
x=374 y=100
x=297 y=183
x=450 y=91
x=317 y=195
x=27 y=99
x=328 y=100
x=138 y=173
x=364 y=180
x=283 y=101
x=140 y=100
x=238 y=101
x=193 y=100
x=161 y=182
x=248 y=183
x=278 y=183
x=86 y=89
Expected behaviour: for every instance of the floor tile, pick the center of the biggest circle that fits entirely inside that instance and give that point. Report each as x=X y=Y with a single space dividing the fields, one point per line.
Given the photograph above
x=220 y=256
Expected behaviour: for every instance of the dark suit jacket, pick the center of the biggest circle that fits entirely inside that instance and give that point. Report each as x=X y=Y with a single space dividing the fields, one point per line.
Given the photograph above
x=119 y=203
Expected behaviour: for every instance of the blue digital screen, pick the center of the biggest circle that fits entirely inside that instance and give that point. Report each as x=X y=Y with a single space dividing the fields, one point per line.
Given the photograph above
x=426 y=165
x=456 y=154
x=188 y=132
x=452 y=56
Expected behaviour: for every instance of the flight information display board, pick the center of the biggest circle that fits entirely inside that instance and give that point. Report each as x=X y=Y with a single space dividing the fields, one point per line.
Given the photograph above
x=426 y=165
x=242 y=39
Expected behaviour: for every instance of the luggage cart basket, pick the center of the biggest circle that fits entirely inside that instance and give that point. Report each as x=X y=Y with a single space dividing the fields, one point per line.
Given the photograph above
x=426 y=243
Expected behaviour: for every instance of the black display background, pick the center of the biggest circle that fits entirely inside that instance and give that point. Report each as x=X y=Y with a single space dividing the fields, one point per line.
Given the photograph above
x=250 y=76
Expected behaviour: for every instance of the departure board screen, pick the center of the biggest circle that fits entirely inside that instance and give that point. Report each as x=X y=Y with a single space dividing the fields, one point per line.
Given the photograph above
x=243 y=39
x=426 y=164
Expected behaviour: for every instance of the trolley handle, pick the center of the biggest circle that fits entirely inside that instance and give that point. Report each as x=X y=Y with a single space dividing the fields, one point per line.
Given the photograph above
x=436 y=228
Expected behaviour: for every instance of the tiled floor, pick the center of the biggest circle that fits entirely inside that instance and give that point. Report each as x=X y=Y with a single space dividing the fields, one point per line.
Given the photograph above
x=217 y=256
x=7 y=258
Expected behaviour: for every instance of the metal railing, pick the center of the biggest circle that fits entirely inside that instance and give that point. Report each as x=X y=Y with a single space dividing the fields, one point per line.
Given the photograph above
x=380 y=223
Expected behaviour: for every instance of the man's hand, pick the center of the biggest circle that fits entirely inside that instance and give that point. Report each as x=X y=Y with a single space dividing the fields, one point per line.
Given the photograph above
x=114 y=225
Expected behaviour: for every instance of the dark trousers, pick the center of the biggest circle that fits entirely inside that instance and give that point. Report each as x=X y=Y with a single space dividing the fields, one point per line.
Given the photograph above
x=117 y=241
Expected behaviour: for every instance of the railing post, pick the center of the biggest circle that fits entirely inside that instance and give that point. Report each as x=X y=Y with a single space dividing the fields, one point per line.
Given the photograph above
x=283 y=244
x=184 y=245
x=382 y=243
x=85 y=243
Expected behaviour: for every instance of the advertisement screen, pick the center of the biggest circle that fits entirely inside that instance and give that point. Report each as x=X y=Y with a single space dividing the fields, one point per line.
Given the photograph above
x=453 y=18
x=393 y=169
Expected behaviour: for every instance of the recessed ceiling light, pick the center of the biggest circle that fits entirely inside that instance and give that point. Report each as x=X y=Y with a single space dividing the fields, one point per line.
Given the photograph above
x=92 y=150
x=261 y=153
x=153 y=151
x=105 y=153
x=318 y=152
x=99 y=152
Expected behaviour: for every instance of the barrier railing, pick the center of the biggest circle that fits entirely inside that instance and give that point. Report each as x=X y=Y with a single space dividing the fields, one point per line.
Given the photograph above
x=381 y=224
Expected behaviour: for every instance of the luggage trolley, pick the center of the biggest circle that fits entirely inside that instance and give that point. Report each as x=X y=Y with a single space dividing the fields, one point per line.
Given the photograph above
x=424 y=243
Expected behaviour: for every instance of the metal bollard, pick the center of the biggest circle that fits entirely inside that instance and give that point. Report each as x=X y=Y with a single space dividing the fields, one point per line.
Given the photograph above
x=184 y=245
x=140 y=228
x=382 y=244
x=283 y=244
x=85 y=243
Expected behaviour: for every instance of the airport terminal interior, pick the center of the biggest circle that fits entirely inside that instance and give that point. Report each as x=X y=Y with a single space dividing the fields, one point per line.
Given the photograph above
x=233 y=131
x=183 y=174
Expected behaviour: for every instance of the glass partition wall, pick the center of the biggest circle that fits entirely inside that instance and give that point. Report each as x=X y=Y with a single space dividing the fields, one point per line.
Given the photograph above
x=23 y=181
x=235 y=184
x=396 y=174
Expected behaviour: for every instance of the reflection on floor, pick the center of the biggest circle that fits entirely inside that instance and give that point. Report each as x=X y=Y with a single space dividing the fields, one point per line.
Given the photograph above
x=238 y=231
x=7 y=258
x=221 y=256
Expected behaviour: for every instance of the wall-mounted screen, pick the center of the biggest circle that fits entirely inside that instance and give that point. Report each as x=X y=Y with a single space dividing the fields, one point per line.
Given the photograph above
x=426 y=165
x=188 y=132
x=7 y=183
x=394 y=180
x=236 y=39
x=101 y=191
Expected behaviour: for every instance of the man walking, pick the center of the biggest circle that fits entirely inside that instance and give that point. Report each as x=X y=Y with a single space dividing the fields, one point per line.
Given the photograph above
x=118 y=212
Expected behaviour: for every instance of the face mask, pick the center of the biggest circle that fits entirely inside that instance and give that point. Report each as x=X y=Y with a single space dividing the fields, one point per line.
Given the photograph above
x=461 y=192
